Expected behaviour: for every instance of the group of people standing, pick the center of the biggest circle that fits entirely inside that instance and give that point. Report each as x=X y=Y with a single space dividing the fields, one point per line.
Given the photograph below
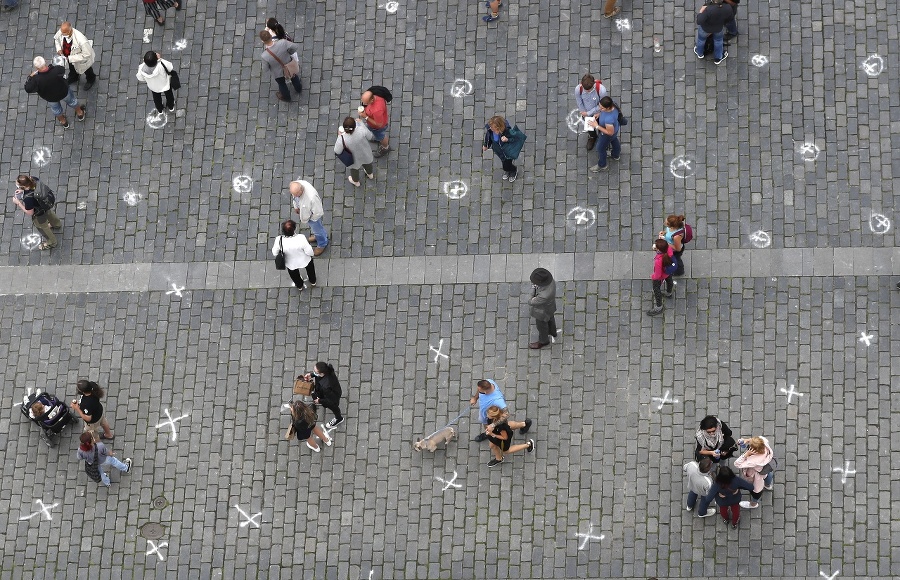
x=709 y=479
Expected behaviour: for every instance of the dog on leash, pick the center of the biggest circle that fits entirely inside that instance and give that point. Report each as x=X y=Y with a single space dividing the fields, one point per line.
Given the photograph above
x=431 y=443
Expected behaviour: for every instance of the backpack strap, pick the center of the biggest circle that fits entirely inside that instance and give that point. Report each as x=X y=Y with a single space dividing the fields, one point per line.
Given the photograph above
x=597 y=86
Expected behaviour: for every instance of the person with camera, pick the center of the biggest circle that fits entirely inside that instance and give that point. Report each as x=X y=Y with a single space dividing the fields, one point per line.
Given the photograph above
x=37 y=200
x=714 y=440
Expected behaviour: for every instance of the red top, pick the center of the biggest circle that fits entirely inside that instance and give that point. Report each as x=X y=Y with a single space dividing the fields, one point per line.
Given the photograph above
x=66 y=47
x=659 y=273
x=376 y=113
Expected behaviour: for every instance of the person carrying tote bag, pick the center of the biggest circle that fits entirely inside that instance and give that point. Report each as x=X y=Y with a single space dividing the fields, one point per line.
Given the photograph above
x=297 y=254
x=506 y=142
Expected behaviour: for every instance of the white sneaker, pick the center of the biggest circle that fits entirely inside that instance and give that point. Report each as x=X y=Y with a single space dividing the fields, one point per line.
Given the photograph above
x=749 y=506
x=709 y=512
x=688 y=509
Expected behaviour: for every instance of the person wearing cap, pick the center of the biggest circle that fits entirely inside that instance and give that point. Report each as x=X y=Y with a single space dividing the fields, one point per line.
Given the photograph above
x=543 y=306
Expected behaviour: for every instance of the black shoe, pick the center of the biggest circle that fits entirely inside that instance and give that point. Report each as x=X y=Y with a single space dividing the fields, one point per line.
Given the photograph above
x=335 y=422
x=591 y=143
x=530 y=445
x=527 y=426
x=479 y=438
x=73 y=79
x=494 y=462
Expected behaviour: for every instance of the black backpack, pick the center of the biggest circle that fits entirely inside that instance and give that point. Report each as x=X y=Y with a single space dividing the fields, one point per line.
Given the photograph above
x=43 y=197
x=623 y=120
x=382 y=92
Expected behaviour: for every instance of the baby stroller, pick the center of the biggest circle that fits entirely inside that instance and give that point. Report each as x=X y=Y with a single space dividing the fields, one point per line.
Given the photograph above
x=54 y=418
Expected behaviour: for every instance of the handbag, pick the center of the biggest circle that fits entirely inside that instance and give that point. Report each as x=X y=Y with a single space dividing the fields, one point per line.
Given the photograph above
x=302 y=387
x=279 y=257
x=513 y=146
x=346 y=156
x=93 y=469
x=174 y=79
x=291 y=69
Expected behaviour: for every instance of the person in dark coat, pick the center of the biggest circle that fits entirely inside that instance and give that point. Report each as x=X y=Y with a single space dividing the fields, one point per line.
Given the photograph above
x=714 y=440
x=726 y=490
x=49 y=82
x=543 y=306
x=496 y=133
x=303 y=423
x=327 y=390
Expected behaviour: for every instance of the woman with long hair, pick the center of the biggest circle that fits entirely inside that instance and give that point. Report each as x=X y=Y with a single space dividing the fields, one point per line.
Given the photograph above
x=500 y=436
x=673 y=232
x=661 y=262
x=726 y=490
x=756 y=465
x=303 y=420
x=326 y=390
x=90 y=409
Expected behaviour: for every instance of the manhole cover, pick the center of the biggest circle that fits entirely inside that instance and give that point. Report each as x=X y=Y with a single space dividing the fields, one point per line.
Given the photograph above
x=160 y=502
x=152 y=530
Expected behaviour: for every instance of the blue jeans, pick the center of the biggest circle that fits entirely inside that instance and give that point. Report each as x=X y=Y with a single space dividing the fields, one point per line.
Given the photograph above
x=692 y=499
x=110 y=460
x=70 y=100
x=282 y=86
x=731 y=25
x=603 y=142
x=718 y=42
x=318 y=230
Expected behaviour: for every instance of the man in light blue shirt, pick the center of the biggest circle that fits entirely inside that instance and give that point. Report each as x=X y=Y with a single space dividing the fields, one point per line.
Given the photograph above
x=489 y=394
x=587 y=96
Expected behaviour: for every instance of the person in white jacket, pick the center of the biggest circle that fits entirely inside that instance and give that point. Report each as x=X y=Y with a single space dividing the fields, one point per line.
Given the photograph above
x=757 y=466
x=155 y=72
x=297 y=254
x=698 y=483
x=307 y=205
x=79 y=52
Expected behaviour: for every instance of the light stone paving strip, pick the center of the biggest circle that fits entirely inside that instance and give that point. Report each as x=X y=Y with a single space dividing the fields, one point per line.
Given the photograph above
x=468 y=269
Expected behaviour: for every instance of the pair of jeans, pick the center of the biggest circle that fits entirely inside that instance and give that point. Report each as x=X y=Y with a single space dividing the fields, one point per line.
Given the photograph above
x=297 y=279
x=318 y=230
x=354 y=173
x=170 y=100
x=718 y=42
x=735 y=512
x=680 y=270
x=731 y=25
x=657 y=291
x=603 y=142
x=45 y=223
x=111 y=461
x=283 y=89
x=70 y=100
x=692 y=499
x=546 y=329
x=89 y=74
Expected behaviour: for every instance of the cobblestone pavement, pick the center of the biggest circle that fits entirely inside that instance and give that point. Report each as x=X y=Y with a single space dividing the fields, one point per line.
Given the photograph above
x=782 y=158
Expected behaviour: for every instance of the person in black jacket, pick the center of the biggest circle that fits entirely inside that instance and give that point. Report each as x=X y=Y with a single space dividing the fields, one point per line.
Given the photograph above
x=49 y=82
x=712 y=19
x=714 y=440
x=496 y=132
x=327 y=390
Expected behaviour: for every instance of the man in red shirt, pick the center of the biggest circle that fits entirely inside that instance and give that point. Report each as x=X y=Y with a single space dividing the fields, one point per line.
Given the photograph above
x=375 y=114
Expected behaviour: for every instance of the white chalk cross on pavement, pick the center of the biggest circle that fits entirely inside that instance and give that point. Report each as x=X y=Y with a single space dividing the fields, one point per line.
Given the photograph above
x=248 y=519
x=866 y=338
x=154 y=549
x=790 y=393
x=665 y=399
x=588 y=537
x=449 y=484
x=844 y=472
x=45 y=509
x=437 y=351
x=171 y=423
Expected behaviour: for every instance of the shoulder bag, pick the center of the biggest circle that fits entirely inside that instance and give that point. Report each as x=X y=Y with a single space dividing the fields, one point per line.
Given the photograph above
x=291 y=69
x=174 y=80
x=93 y=469
x=513 y=146
x=279 y=257
x=346 y=156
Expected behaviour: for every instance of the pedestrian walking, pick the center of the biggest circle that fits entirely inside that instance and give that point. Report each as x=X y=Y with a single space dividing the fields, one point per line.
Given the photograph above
x=663 y=267
x=156 y=8
x=157 y=73
x=304 y=426
x=500 y=437
x=49 y=82
x=607 y=123
x=96 y=455
x=610 y=9
x=354 y=137
x=757 y=465
x=278 y=58
x=374 y=112
x=297 y=254
x=37 y=200
x=726 y=490
x=488 y=393
x=677 y=233
x=587 y=97
x=698 y=483
x=506 y=142
x=326 y=390
x=494 y=5
x=90 y=409
x=307 y=205
x=542 y=306
x=78 y=51
x=711 y=21
x=714 y=440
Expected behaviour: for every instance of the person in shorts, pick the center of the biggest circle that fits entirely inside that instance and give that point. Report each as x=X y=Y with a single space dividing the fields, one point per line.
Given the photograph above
x=500 y=436
x=90 y=409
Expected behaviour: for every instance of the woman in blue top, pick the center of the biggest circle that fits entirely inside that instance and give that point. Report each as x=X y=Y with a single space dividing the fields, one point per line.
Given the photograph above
x=674 y=235
x=607 y=123
x=726 y=490
x=496 y=132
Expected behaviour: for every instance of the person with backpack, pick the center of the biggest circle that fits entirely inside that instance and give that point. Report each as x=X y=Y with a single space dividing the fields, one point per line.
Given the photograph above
x=726 y=490
x=757 y=465
x=663 y=268
x=677 y=234
x=37 y=200
x=587 y=96
x=607 y=122
x=373 y=112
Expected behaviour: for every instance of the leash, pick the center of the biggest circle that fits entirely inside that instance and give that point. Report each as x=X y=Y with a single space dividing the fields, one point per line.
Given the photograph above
x=462 y=414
